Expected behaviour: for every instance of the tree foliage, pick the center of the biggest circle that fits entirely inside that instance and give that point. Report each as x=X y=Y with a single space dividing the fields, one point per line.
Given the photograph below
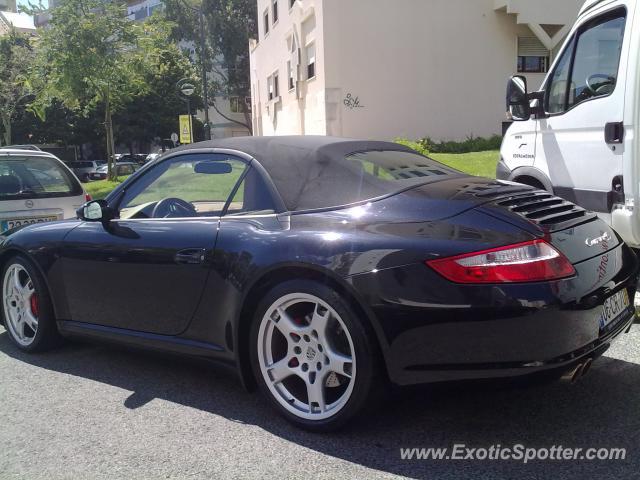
x=228 y=26
x=16 y=57
x=92 y=57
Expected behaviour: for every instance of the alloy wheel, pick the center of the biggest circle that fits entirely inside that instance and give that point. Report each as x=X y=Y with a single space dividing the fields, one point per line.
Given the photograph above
x=20 y=302
x=306 y=356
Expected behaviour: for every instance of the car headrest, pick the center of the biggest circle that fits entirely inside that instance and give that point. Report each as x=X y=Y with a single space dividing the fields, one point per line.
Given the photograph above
x=9 y=184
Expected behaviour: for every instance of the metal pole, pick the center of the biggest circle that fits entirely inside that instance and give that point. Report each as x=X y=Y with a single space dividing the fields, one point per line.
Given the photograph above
x=190 y=122
x=205 y=94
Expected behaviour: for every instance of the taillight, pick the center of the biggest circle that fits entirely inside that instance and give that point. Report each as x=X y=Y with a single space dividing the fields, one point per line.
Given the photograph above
x=532 y=261
x=87 y=197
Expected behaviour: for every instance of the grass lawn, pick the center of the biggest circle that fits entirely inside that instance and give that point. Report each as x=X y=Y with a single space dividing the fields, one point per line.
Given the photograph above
x=101 y=188
x=482 y=164
x=478 y=163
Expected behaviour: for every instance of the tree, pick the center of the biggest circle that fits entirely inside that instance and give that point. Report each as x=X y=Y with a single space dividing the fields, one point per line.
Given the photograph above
x=153 y=114
x=228 y=26
x=16 y=56
x=91 y=55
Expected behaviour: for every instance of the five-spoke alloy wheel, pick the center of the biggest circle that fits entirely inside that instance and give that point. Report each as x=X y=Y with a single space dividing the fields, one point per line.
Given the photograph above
x=20 y=302
x=312 y=355
x=26 y=308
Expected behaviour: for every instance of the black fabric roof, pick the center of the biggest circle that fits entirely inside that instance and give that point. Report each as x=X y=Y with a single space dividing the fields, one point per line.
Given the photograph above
x=311 y=172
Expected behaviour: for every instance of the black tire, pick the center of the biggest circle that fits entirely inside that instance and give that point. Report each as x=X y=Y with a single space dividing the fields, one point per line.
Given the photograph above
x=369 y=383
x=47 y=335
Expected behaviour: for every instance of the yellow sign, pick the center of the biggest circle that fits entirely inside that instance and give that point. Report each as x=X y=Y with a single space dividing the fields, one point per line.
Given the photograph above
x=186 y=135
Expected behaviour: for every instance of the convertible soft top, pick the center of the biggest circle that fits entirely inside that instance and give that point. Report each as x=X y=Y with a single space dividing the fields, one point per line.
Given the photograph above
x=313 y=172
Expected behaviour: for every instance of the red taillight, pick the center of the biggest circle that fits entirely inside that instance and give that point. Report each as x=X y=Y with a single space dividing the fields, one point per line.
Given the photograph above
x=532 y=261
x=87 y=197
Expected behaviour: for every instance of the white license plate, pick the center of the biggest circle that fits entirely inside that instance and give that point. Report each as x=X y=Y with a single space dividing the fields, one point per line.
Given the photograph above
x=18 y=222
x=614 y=307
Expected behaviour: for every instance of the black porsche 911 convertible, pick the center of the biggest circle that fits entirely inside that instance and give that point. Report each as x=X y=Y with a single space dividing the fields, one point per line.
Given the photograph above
x=323 y=269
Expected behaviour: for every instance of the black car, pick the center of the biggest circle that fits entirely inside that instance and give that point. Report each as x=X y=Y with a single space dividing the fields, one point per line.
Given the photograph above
x=323 y=269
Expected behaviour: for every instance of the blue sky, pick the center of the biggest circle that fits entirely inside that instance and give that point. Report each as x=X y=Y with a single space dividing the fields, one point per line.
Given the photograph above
x=26 y=2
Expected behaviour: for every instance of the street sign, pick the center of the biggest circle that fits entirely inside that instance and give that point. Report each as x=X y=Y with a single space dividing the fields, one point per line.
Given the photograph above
x=174 y=138
x=186 y=135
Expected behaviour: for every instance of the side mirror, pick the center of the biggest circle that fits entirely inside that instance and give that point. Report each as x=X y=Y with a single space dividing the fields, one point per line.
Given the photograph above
x=95 y=211
x=518 y=106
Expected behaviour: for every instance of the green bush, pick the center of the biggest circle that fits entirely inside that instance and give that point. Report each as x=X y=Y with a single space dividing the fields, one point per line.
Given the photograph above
x=471 y=144
x=417 y=146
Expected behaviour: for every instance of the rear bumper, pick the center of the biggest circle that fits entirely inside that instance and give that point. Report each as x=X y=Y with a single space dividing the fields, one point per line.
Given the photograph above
x=433 y=331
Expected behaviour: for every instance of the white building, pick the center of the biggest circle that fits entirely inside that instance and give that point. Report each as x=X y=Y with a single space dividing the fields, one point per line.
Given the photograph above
x=20 y=22
x=8 y=6
x=404 y=68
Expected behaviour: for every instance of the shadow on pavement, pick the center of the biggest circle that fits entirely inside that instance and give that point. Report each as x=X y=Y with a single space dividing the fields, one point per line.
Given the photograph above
x=602 y=410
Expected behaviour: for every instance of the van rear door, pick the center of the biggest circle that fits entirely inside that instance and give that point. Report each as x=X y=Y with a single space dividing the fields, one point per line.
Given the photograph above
x=584 y=100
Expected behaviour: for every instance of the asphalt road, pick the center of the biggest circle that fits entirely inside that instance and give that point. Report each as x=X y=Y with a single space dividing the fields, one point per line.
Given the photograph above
x=93 y=412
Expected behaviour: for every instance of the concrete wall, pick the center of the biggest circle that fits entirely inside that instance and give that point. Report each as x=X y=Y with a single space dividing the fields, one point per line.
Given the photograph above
x=419 y=68
x=407 y=68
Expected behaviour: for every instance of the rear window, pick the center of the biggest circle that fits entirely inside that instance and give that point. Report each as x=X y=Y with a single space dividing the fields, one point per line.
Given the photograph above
x=359 y=177
x=35 y=177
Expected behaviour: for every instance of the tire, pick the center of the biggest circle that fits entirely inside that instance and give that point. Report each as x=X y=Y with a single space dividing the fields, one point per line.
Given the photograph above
x=19 y=309
x=307 y=343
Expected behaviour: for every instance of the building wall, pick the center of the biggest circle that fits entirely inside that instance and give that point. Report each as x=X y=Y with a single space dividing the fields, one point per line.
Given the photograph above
x=301 y=110
x=8 y=5
x=407 y=68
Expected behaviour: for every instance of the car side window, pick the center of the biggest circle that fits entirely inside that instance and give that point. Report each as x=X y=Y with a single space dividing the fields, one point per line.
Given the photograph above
x=589 y=67
x=252 y=197
x=197 y=185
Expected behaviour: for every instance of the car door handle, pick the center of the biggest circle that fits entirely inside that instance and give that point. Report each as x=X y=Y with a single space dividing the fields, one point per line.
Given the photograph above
x=191 y=256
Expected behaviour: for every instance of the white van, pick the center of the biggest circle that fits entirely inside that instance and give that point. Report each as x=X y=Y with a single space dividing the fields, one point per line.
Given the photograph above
x=578 y=135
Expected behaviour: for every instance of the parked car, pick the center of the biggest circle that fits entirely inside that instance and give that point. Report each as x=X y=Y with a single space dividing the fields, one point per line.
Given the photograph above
x=577 y=136
x=84 y=168
x=138 y=158
x=121 y=168
x=323 y=268
x=151 y=157
x=36 y=187
x=21 y=147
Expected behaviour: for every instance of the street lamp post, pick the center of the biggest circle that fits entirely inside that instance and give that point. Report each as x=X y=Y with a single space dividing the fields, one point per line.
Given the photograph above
x=185 y=90
x=203 y=62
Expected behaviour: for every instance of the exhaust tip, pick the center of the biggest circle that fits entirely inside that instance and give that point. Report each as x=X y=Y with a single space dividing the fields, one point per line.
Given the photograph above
x=572 y=375
x=577 y=372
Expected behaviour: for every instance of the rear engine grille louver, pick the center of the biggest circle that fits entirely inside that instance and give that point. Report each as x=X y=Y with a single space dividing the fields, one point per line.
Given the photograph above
x=538 y=206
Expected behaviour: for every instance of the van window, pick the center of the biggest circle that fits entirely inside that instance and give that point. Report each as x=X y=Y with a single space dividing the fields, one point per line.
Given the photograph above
x=594 y=72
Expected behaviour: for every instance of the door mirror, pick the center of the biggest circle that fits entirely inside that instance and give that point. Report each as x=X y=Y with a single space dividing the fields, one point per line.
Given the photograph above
x=95 y=211
x=518 y=107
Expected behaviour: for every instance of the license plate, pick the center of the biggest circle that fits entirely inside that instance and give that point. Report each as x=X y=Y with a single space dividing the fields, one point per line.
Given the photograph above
x=614 y=308
x=18 y=222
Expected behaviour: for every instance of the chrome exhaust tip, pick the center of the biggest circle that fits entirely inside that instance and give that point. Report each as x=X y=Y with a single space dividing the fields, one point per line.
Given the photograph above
x=572 y=375
x=586 y=367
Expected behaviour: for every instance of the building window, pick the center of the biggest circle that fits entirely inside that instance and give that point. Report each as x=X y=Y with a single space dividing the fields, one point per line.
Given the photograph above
x=266 y=22
x=533 y=56
x=273 y=87
x=290 y=76
x=234 y=105
x=275 y=11
x=311 y=61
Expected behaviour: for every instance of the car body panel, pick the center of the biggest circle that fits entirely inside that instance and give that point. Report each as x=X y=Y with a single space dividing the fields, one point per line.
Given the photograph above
x=120 y=280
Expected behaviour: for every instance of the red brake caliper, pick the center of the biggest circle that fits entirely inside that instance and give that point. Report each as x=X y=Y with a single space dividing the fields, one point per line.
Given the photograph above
x=35 y=309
